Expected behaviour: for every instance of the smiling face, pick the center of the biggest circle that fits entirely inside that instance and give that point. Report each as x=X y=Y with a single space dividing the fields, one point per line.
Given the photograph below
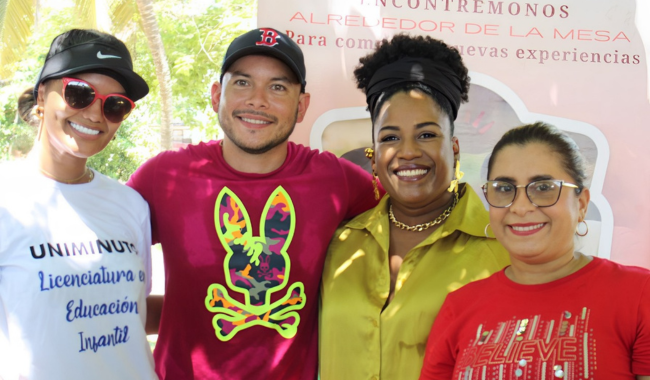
x=414 y=152
x=536 y=235
x=259 y=103
x=71 y=132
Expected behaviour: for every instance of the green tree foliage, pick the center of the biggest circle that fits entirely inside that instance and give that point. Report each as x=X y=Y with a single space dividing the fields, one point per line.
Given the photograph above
x=201 y=36
x=16 y=137
x=195 y=34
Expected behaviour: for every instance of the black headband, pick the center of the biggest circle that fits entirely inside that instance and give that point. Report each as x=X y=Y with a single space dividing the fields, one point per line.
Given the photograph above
x=435 y=75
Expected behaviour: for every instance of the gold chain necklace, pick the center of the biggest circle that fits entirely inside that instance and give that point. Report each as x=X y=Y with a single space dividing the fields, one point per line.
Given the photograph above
x=424 y=226
x=70 y=181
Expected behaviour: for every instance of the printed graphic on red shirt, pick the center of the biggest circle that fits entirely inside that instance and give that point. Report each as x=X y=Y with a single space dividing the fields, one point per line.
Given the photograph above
x=532 y=348
x=257 y=267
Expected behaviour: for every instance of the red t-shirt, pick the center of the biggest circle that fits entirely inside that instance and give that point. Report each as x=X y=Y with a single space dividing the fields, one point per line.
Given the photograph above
x=592 y=324
x=243 y=258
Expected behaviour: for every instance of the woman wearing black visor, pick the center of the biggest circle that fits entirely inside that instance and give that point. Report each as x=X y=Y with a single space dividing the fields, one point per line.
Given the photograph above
x=74 y=244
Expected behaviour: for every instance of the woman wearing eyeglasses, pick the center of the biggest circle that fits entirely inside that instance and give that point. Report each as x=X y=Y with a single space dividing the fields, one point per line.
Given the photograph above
x=74 y=244
x=554 y=313
x=388 y=270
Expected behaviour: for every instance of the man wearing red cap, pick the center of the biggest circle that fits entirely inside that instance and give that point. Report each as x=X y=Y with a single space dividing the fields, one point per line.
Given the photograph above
x=244 y=224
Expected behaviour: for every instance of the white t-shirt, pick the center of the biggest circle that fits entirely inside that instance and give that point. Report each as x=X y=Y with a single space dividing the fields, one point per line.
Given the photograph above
x=75 y=271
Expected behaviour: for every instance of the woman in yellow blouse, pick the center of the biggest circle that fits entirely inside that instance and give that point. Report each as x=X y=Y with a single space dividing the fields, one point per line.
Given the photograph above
x=388 y=270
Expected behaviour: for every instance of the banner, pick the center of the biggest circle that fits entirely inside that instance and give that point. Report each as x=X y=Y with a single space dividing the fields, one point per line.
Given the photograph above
x=579 y=65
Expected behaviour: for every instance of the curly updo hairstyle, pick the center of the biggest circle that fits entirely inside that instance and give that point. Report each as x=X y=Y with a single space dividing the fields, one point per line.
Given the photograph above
x=406 y=46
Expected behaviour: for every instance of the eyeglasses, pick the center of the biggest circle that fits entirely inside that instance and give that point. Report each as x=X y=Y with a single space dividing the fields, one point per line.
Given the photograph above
x=79 y=94
x=540 y=193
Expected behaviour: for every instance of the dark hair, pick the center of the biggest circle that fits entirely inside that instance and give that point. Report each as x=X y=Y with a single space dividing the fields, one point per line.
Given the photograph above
x=63 y=41
x=26 y=107
x=558 y=141
x=405 y=46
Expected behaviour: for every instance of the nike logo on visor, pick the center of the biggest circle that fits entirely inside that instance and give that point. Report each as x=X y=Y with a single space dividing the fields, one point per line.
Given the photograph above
x=103 y=56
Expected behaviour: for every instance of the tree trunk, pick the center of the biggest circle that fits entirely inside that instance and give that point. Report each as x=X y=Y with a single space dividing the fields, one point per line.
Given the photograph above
x=151 y=30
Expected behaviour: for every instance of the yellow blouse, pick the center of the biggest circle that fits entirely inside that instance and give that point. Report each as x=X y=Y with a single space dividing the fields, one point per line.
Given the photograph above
x=360 y=341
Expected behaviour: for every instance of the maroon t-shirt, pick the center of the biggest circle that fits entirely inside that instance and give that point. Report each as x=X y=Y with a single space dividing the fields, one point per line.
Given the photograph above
x=243 y=258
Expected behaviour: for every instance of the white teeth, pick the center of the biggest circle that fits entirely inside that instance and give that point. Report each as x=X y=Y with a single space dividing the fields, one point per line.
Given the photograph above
x=83 y=129
x=528 y=228
x=411 y=173
x=254 y=121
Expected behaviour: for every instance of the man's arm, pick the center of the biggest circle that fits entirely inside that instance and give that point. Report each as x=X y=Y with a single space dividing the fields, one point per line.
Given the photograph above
x=142 y=181
x=154 y=310
x=360 y=189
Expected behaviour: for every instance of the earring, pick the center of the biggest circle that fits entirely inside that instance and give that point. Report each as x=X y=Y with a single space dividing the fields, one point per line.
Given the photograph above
x=586 y=229
x=453 y=187
x=370 y=153
x=375 y=188
x=486 y=232
x=38 y=111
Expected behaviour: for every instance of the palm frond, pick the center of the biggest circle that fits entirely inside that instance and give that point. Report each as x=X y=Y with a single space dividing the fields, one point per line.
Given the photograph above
x=86 y=15
x=123 y=13
x=93 y=14
x=16 y=21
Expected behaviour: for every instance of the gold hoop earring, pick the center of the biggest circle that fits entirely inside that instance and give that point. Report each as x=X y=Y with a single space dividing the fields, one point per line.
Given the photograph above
x=38 y=111
x=453 y=187
x=586 y=230
x=486 y=232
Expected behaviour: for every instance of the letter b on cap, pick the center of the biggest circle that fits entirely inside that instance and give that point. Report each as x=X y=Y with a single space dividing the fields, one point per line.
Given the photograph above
x=269 y=37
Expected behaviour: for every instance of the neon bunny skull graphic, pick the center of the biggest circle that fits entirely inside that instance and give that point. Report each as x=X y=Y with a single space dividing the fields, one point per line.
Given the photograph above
x=256 y=266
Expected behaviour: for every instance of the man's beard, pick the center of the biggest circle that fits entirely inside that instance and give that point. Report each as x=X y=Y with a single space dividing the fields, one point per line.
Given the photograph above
x=275 y=140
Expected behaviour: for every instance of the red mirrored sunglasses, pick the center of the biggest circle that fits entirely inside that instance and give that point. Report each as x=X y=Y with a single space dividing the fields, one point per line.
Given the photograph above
x=79 y=94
